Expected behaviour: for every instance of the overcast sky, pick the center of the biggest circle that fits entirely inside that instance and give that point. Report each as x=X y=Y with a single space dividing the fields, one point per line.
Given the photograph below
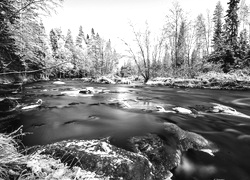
x=110 y=17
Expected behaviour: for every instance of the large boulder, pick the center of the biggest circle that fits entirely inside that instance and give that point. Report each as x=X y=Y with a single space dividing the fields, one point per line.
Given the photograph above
x=146 y=157
x=163 y=156
x=188 y=140
x=164 y=151
x=102 y=158
x=105 y=80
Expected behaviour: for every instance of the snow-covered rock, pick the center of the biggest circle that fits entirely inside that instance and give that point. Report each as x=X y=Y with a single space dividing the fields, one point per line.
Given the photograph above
x=124 y=81
x=156 y=82
x=76 y=93
x=222 y=109
x=106 y=80
x=150 y=156
x=58 y=82
x=182 y=110
x=87 y=90
x=32 y=105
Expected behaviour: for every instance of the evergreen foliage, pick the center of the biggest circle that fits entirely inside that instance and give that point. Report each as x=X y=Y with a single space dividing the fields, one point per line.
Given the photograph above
x=69 y=40
x=53 y=42
x=230 y=49
x=80 y=38
x=181 y=44
x=8 y=59
x=231 y=23
x=200 y=36
x=218 y=26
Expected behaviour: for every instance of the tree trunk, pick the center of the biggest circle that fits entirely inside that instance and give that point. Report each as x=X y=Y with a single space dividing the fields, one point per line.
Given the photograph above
x=146 y=78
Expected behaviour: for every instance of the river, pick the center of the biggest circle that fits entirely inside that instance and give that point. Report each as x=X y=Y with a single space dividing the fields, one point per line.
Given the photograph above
x=63 y=117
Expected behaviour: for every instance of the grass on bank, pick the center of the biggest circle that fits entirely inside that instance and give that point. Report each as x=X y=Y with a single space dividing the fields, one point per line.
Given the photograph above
x=11 y=160
x=15 y=165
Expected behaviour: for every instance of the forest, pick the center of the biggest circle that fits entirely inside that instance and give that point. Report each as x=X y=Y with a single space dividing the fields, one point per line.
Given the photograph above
x=214 y=41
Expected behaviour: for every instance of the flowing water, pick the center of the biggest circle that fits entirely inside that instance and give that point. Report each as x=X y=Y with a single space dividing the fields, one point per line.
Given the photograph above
x=70 y=116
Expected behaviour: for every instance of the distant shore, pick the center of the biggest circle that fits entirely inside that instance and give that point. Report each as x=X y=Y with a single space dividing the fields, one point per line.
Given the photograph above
x=212 y=80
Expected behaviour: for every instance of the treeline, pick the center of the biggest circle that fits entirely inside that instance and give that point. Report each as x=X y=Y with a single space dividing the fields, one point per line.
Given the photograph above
x=185 y=47
x=25 y=46
x=218 y=41
x=230 y=46
x=88 y=55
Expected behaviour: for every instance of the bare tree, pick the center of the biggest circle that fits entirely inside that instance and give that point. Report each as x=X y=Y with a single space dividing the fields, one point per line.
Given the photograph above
x=147 y=51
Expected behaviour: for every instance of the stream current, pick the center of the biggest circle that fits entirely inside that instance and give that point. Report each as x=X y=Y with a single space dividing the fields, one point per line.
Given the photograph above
x=64 y=116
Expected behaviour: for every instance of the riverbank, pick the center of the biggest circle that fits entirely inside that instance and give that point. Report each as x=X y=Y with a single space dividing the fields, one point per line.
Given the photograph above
x=238 y=80
x=235 y=80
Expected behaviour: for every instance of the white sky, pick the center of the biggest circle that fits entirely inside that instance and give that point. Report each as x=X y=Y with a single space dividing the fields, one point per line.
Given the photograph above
x=110 y=17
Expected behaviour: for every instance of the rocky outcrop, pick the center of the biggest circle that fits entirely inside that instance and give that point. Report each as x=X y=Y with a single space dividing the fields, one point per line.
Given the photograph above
x=105 y=80
x=189 y=140
x=102 y=158
x=150 y=157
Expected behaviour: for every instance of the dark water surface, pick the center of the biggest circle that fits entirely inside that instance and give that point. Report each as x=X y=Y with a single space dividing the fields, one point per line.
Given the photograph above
x=69 y=117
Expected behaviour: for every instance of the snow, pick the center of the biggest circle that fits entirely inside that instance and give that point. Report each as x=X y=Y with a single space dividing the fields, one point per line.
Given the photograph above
x=157 y=82
x=163 y=110
x=209 y=151
x=76 y=93
x=30 y=107
x=182 y=110
x=104 y=150
x=38 y=103
x=58 y=82
x=222 y=109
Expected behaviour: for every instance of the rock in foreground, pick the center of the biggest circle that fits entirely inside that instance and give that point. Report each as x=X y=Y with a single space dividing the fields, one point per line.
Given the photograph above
x=149 y=157
x=102 y=158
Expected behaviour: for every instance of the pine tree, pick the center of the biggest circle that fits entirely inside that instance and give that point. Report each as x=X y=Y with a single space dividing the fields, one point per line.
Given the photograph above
x=217 y=19
x=53 y=42
x=243 y=50
x=181 y=44
x=92 y=32
x=232 y=23
x=8 y=58
x=69 y=40
x=108 y=57
x=230 y=36
x=80 y=38
x=243 y=43
x=244 y=14
x=41 y=42
x=200 y=36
